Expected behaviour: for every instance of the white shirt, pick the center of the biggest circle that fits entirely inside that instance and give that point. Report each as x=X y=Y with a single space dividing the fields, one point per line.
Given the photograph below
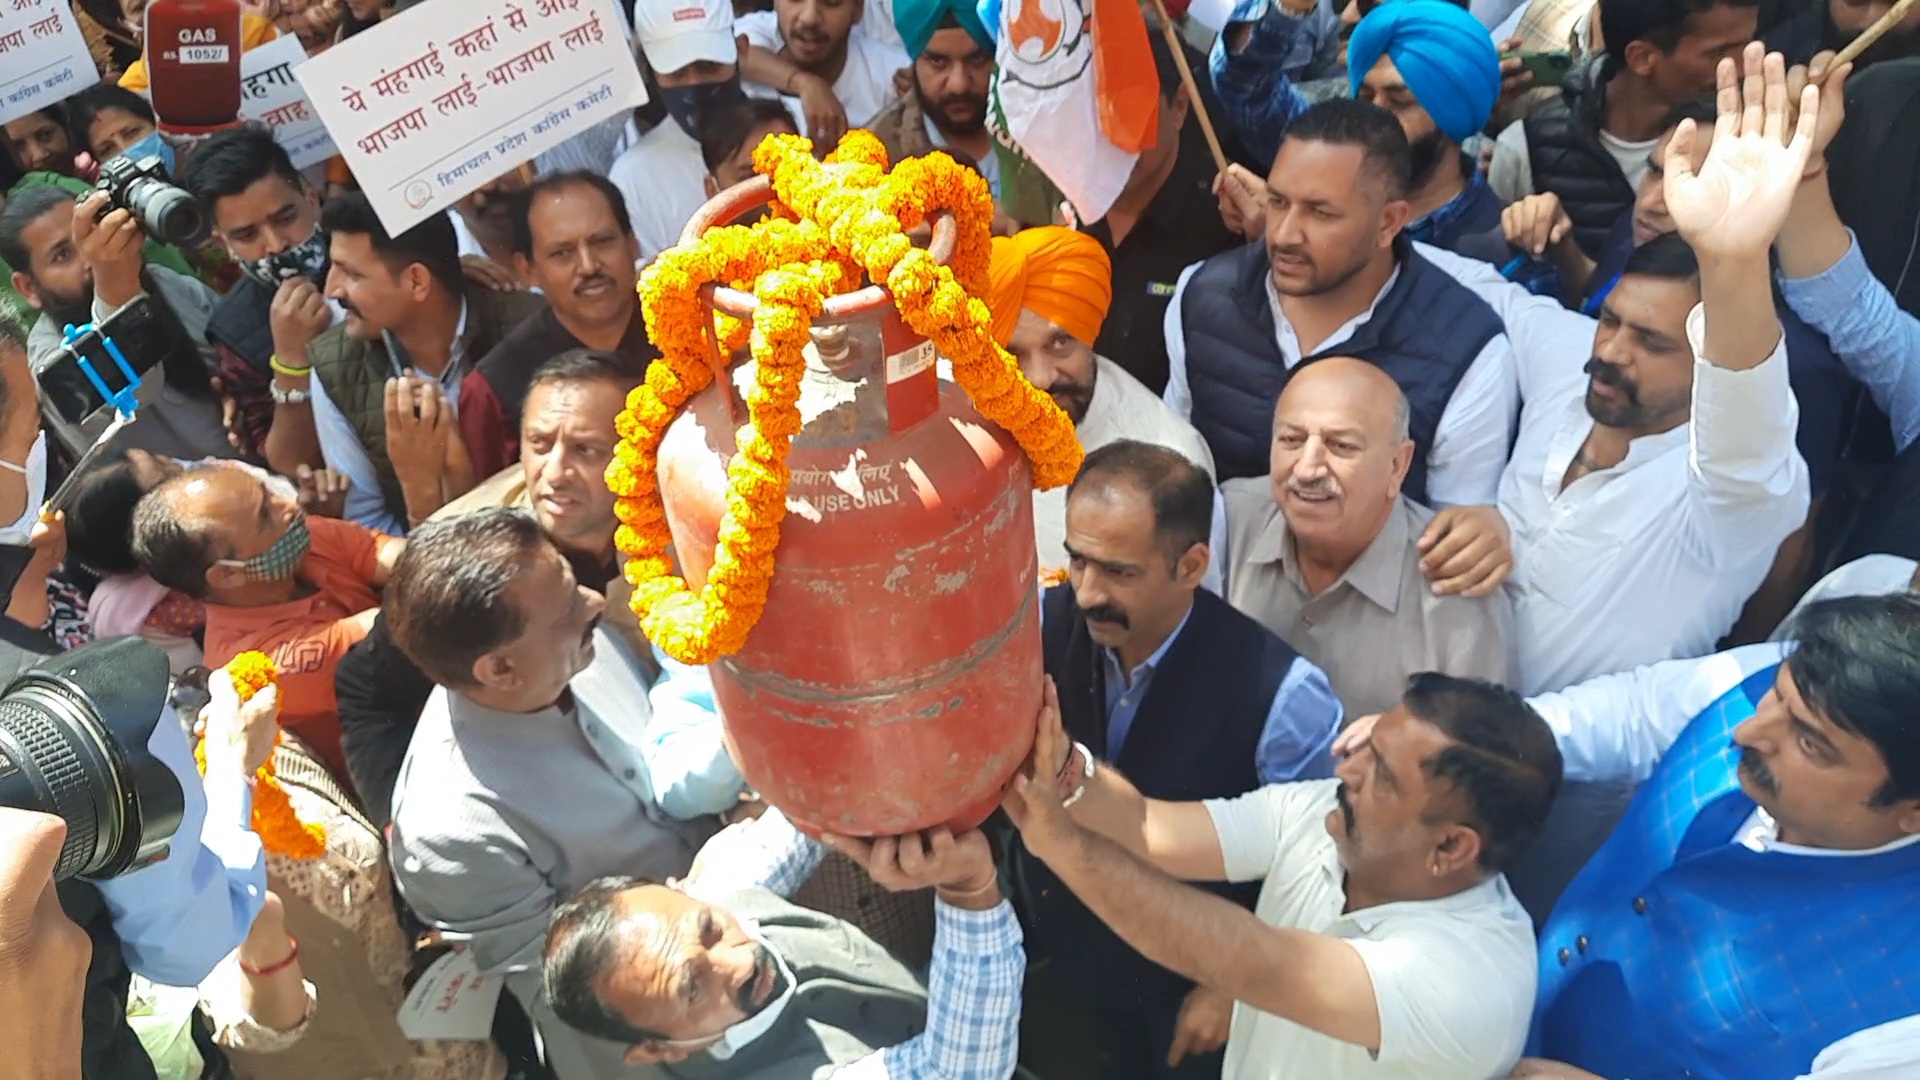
x=1868 y=575
x=1510 y=175
x=1454 y=978
x=1653 y=558
x=876 y=22
x=340 y=446
x=1617 y=727
x=865 y=85
x=1123 y=408
x=1470 y=443
x=664 y=181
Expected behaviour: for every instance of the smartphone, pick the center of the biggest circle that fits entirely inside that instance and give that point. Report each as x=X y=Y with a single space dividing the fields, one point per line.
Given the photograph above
x=1548 y=68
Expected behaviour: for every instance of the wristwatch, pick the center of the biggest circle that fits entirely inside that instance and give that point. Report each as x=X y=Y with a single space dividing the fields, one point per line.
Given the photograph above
x=1086 y=773
x=283 y=396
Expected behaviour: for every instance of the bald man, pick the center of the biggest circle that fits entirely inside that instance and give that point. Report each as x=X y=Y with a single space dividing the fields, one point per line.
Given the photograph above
x=1050 y=291
x=1322 y=550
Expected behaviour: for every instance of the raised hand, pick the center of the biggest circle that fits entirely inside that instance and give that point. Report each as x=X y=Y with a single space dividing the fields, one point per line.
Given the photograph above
x=1734 y=205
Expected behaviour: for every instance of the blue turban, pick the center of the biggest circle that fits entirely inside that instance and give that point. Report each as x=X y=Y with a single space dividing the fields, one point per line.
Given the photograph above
x=1445 y=55
x=918 y=19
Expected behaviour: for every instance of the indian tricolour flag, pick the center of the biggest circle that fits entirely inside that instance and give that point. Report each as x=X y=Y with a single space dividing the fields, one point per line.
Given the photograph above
x=1076 y=90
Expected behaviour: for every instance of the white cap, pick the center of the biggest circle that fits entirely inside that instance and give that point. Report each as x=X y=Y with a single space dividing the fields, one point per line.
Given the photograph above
x=676 y=33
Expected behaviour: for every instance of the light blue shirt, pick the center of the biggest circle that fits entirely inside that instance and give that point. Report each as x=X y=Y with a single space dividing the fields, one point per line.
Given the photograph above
x=340 y=445
x=177 y=918
x=1877 y=341
x=1297 y=741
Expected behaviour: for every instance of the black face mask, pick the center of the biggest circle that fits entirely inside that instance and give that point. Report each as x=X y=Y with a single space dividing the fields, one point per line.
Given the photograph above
x=687 y=104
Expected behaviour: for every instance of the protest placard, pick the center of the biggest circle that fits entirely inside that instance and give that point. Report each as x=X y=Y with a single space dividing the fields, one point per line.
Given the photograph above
x=271 y=94
x=43 y=56
x=431 y=105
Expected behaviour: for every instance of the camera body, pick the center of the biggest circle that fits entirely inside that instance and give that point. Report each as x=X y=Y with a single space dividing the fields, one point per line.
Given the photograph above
x=164 y=209
x=75 y=732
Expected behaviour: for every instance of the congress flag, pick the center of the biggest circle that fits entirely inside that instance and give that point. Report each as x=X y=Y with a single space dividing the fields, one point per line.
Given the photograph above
x=1077 y=91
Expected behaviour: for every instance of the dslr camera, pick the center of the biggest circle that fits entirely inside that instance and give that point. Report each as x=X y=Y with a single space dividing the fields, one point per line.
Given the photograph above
x=74 y=735
x=165 y=210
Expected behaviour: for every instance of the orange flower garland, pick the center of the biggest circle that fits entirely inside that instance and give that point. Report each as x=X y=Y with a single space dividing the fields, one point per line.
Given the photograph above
x=280 y=829
x=832 y=222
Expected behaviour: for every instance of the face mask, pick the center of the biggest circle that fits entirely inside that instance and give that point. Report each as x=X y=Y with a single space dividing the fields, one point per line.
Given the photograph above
x=687 y=104
x=307 y=259
x=737 y=1037
x=280 y=561
x=151 y=146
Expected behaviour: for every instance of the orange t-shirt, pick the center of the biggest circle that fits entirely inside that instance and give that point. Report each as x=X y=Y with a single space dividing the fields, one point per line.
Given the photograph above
x=308 y=636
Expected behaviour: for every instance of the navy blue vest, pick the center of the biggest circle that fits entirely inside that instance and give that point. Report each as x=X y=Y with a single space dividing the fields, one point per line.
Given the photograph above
x=1196 y=736
x=1425 y=332
x=1677 y=953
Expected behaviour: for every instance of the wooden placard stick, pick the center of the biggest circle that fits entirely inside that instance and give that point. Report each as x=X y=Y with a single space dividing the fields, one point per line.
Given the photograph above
x=1872 y=34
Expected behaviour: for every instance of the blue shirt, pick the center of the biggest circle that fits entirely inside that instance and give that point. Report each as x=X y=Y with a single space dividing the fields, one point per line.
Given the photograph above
x=1297 y=742
x=177 y=918
x=1877 y=341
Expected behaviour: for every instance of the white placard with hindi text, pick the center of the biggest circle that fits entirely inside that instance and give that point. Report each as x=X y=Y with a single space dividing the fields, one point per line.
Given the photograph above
x=271 y=94
x=43 y=56
x=452 y=1000
x=437 y=101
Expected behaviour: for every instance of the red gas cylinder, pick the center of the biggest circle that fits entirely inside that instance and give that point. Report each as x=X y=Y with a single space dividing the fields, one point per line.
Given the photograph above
x=193 y=62
x=891 y=684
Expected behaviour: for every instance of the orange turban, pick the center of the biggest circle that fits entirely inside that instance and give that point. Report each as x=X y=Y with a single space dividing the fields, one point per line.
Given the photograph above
x=1061 y=275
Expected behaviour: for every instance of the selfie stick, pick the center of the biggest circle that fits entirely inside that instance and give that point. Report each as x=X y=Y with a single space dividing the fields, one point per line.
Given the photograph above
x=123 y=401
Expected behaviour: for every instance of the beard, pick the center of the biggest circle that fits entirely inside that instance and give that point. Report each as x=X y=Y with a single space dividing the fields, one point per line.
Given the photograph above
x=1074 y=399
x=1627 y=412
x=66 y=310
x=1428 y=151
x=972 y=109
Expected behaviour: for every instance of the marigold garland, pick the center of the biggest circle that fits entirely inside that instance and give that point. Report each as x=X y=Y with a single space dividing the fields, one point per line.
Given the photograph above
x=832 y=223
x=280 y=829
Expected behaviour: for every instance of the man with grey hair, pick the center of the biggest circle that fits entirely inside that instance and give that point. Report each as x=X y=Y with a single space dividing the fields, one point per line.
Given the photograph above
x=1324 y=550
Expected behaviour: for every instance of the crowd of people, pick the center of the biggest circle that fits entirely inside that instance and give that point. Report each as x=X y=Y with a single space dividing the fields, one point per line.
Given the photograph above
x=1425 y=698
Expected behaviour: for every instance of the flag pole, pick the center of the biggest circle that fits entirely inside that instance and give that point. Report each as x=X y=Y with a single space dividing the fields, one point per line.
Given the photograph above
x=1194 y=101
x=1872 y=33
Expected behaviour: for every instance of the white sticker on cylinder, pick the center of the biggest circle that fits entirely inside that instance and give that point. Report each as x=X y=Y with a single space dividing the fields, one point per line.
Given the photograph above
x=905 y=365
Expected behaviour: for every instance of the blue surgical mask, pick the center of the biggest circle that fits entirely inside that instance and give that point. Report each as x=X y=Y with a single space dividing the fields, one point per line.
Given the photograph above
x=151 y=146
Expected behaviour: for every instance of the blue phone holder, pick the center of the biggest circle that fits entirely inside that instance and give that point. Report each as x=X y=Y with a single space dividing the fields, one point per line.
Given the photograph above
x=122 y=400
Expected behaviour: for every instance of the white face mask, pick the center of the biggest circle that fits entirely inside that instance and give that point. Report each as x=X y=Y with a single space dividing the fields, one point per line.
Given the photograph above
x=36 y=466
x=739 y=1036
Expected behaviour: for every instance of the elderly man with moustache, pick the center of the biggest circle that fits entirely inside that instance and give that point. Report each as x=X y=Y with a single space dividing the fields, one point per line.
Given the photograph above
x=1051 y=288
x=1323 y=550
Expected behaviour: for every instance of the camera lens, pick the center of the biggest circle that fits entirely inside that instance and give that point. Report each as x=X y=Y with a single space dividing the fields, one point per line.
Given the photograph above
x=74 y=736
x=167 y=213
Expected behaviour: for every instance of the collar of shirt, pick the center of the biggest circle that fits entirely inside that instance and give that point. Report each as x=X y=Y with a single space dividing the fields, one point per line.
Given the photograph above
x=1761 y=833
x=456 y=355
x=1575 y=425
x=1423 y=230
x=1375 y=574
x=1291 y=350
x=1115 y=685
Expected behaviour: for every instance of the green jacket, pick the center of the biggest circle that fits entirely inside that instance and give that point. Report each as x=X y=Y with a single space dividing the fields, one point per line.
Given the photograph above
x=355 y=373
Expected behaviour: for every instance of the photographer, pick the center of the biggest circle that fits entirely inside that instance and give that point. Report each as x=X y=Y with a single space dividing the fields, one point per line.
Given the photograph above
x=173 y=920
x=77 y=261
